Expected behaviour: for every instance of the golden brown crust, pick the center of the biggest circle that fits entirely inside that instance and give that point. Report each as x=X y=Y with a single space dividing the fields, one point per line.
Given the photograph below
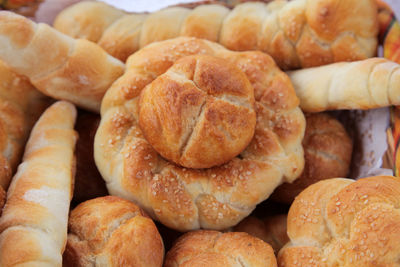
x=17 y=116
x=366 y=84
x=339 y=222
x=201 y=248
x=3 y=196
x=296 y=34
x=327 y=153
x=33 y=226
x=271 y=230
x=56 y=64
x=217 y=197
x=200 y=113
x=111 y=231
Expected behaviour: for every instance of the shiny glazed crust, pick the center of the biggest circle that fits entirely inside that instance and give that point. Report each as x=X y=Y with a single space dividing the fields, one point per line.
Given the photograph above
x=111 y=231
x=212 y=248
x=296 y=34
x=217 y=197
x=342 y=222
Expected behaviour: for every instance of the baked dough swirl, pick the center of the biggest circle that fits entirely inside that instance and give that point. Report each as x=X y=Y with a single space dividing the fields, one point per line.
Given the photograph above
x=216 y=197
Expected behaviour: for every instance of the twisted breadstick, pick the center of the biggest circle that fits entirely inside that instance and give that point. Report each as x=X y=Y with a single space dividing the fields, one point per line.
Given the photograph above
x=296 y=34
x=33 y=227
x=56 y=64
x=20 y=106
x=216 y=197
x=366 y=84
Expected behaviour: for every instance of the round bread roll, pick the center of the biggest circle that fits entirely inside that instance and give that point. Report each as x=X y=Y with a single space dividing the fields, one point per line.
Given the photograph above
x=110 y=231
x=342 y=222
x=200 y=113
x=138 y=119
x=212 y=248
x=271 y=230
x=327 y=152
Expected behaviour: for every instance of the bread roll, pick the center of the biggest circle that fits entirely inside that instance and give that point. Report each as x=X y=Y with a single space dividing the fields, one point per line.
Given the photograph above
x=213 y=198
x=271 y=230
x=20 y=106
x=56 y=64
x=327 y=153
x=366 y=84
x=296 y=34
x=33 y=226
x=212 y=248
x=202 y=119
x=342 y=222
x=110 y=231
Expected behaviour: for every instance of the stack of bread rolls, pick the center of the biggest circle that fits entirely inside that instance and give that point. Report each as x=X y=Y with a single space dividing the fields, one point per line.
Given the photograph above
x=199 y=126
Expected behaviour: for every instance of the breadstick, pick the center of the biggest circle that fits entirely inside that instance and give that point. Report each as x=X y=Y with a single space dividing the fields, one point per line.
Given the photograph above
x=33 y=226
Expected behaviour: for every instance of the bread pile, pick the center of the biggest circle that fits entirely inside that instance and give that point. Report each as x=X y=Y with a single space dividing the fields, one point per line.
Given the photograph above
x=196 y=129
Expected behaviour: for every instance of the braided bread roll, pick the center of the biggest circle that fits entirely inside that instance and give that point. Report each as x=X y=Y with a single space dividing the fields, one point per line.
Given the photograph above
x=33 y=227
x=20 y=106
x=366 y=84
x=342 y=222
x=201 y=105
x=296 y=34
x=56 y=64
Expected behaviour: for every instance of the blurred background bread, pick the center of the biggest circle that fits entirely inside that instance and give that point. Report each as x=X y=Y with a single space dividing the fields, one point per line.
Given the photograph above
x=327 y=152
x=212 y=248
x=20 y=107
x=296 y=34
x=111 y=231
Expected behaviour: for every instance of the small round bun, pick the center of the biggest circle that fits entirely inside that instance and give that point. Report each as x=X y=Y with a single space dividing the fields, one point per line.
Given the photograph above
x=212 y=248
x=200 y=113
x=342 y=222
x=327 y=152
x=110 y=231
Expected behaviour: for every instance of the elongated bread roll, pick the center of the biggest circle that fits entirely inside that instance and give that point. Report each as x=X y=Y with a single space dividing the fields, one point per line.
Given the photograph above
x=20 y=106
x=33 y=227
x=56 y=64
x=298 y=33
x=365 y=84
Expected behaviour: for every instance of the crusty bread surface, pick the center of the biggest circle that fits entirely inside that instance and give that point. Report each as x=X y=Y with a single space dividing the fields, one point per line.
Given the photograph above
x=33 y=226
x=296 y=34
